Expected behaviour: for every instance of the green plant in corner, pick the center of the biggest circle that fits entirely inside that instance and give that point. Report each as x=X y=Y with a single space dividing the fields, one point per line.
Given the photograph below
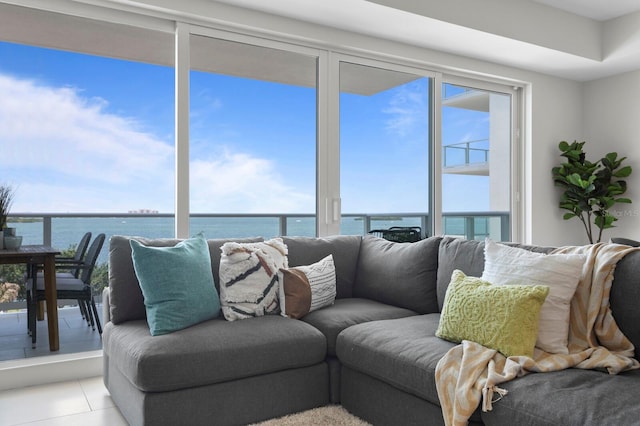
x=590 y=189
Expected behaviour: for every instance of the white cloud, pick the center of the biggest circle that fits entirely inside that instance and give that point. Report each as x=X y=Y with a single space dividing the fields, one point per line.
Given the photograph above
x=241 y=183
x=56 y=130
x=66 y=153
x=407 y=109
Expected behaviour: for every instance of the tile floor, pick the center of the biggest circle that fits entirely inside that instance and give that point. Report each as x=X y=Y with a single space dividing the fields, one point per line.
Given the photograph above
x=78 y=402
x=75 y=335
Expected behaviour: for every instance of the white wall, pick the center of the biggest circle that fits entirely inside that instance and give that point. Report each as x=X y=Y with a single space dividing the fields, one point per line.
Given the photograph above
x=556 y=115
x=612 y=123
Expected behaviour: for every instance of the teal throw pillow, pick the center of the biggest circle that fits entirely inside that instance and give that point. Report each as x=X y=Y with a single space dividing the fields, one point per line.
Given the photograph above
x=177 y=284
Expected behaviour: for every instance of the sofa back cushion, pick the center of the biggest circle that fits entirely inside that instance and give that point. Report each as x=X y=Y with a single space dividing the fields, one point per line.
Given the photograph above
x=344 y=248
x=457 y=253
x=467 y=256
x=126 y=300
x=399 y=274
x=625 y=293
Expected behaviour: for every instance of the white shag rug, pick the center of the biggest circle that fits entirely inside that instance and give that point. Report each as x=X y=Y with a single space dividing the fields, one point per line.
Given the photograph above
x=333 y=415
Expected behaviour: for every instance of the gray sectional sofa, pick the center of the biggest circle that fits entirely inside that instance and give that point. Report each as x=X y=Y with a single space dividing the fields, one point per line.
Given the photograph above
x=374 y=351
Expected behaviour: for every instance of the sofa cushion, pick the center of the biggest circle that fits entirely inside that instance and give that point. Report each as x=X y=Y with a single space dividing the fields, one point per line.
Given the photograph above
x=561 y=272
x=500 y=317
x=213 y=351
x=347 y=312
x=401 y=352
x=344 y=248
x=625 y=241
x=568 y=397
x=249 y=278
x=457 y=253
x=126 y=299
x=625 y=293
x=467 y=256
x=177 y=284
x=305 y=289
x=399 y=274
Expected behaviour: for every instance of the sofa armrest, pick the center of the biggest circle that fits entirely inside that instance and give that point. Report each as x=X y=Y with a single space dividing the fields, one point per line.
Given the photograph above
x=106 y=311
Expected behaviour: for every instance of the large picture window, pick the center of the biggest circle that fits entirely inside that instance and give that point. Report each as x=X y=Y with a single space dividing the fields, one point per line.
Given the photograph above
x=85 y=134
x=252 y=139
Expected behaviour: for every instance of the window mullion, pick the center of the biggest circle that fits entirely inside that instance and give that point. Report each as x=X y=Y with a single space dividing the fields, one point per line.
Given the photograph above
x=435 y=157
x=182 y=70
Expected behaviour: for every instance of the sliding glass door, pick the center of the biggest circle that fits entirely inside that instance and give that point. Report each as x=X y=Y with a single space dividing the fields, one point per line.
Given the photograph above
x=476 y=162
x=252 y=139
x=384 y=148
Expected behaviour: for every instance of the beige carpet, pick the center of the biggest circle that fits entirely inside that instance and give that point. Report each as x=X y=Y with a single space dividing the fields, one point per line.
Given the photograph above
x=323 y=416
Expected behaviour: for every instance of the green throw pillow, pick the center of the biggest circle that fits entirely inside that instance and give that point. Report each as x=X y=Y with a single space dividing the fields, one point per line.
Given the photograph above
x=504 y=318
x=177 y=284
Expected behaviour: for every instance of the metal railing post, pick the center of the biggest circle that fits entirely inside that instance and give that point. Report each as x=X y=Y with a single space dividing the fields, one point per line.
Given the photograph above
x=470 y=227
x=505 y=227
x=46 y=230
x=424 y=223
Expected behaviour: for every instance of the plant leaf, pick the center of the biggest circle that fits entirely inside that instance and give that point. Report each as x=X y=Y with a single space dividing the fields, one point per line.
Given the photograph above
x=623 y=172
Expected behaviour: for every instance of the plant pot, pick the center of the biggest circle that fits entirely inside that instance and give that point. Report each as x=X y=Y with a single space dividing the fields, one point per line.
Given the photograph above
x=12 y=242
x=9 y=232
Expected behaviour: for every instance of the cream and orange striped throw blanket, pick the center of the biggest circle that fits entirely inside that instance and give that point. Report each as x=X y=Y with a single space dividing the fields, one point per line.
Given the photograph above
x=469 y=374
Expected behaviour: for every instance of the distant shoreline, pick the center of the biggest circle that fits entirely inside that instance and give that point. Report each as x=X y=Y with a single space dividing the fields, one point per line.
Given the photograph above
x=24 y=220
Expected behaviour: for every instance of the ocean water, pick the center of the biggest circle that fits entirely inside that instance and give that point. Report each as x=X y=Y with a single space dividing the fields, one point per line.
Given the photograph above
x=66 y=232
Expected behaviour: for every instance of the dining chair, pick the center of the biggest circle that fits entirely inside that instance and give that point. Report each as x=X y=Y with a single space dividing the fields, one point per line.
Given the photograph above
x=69 y=287
x=67 y=267
x=70 y=264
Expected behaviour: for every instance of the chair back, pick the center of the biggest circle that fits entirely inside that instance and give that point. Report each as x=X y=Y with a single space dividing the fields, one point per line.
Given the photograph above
x=399 y=234
x=91 y=258
x=81 y=249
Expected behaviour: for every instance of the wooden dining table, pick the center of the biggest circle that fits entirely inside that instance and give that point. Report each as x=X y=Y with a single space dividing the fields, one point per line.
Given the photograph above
x=46 y=256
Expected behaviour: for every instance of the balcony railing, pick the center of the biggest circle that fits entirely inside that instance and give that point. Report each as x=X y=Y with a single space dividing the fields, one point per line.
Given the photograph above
x=452 y=91
x=63 y=230
x=56 y=228
x=465 y=153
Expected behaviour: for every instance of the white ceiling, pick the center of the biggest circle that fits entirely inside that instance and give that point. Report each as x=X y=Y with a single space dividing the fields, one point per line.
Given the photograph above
x=600 y=10
x=576 y=39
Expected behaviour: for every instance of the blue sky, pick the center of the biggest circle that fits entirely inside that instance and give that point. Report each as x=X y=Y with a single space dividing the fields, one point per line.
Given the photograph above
x=81 y=133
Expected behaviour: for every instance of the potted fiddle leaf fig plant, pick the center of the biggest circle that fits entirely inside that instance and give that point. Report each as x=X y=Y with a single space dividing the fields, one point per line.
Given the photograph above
x=590 y=189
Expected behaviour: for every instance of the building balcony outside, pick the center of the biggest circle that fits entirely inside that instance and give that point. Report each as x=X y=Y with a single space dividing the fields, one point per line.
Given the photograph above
x=466 y=158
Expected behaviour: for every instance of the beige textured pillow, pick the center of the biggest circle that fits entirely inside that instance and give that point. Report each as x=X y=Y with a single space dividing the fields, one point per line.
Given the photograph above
x=249 y=278
x=504 y=265
x=304 y=289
